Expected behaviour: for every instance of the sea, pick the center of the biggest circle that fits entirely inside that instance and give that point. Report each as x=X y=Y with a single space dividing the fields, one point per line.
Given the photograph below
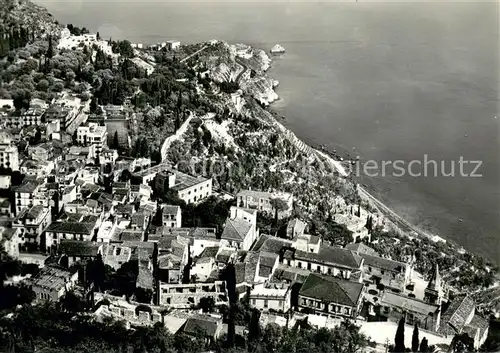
x=384 y=81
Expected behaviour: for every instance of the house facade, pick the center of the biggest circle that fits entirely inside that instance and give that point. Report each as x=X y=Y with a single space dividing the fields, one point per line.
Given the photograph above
x=330 y=296
x=186 y=295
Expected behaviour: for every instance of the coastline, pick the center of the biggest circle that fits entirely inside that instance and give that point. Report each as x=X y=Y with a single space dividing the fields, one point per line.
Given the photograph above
x=395 y=219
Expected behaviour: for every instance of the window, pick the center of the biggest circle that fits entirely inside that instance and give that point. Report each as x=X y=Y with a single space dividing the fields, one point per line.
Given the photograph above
x=266 y=303
x=280 y=303
x=254 y=301
x=370 y=269
x=299 y=264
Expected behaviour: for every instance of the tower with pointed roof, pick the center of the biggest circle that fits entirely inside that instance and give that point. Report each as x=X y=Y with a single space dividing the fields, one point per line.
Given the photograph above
x=433 y=293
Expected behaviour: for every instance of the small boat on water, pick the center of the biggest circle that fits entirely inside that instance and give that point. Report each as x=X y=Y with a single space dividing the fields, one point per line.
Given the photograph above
x=277 y=49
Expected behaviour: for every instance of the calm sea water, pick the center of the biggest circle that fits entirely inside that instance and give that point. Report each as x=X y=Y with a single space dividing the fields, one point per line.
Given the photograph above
x=382 y=80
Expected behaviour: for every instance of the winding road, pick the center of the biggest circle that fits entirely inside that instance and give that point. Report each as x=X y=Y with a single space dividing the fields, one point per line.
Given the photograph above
x=195 y=53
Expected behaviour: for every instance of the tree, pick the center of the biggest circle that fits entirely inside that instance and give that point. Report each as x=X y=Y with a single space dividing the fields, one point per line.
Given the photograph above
x=272 y=337
x=424 y=345
x=462 y=343
x=116 y=142
x=71 y=303
x=254 y=330
x=414 y=339
x=399 y=339
x=50 y=50
x=207 y=304
x=125 y=49
x=230 y=277
x=278 y=205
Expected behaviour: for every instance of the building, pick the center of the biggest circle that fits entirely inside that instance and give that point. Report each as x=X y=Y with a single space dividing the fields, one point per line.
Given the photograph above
x=51 y=283
x=330 y=296
x=29 y=194
x=171 y=216
x=392 y=306
x=461 y=317
x=308 y=253
x=9 y=156
x=202 y=268
x=173 y=44
x=5 y=182
x=207 y=326
x=391 y=274
x=73 y=251
x=31 y=223
x=83 y=230
x=173 y=256
x=11 y=241
x=295 y=228
x=188 y=188
x=186 y=295
x=240 y=229
x=263 y=201
x=32 y=117
x=275 y=296
x=92 y=134
x=133 y=315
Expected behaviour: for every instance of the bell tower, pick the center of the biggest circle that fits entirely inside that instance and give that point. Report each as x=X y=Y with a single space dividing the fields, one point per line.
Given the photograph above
x=433 y=293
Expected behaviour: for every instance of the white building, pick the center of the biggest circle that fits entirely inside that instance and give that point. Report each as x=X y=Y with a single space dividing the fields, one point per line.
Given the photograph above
x=9 y=156
x=192 y=189
x=51 y=283
x=173 y=44
x=172 y=216
x=240 y=230
x=92 y=134
x=275 y=296
x=263 y=201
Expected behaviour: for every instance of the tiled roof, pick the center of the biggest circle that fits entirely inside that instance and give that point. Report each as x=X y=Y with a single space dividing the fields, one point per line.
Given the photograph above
x=170 y=209
x=459 y=311
x=71 y=227
x=331 y=255
x=407 y=303
x=236 y=229
x=27 y=187
x=78 y=248
x=384 y=264
x=204 y=324
x=477 y=323
x=7 y=233
x=51 y=278
x=331 y=290
x=34 y=212
x=210 y=251
x=270 y=244
x=361 y=248
x=132 y=235
x=184 y=181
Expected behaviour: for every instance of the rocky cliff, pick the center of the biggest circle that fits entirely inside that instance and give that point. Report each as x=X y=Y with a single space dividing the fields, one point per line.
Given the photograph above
x=247 y=66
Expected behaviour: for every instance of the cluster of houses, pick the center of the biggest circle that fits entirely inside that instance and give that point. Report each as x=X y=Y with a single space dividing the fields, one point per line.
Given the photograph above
x=62 y=208
x=291 y=277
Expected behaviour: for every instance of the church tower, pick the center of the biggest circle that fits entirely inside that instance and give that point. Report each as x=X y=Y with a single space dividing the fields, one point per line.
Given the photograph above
x=434 y=293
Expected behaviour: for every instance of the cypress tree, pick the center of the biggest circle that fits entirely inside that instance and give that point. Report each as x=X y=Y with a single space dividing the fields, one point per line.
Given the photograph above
x=116 y=143
x=50 y=50
x=399 y=339
x=424 y=345
x=414 y=339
